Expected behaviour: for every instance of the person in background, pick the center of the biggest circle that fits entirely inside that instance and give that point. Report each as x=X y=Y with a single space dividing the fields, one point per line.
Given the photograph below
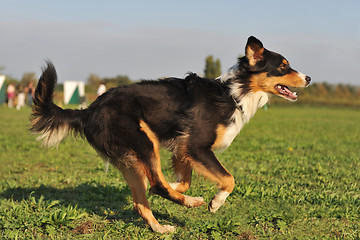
x=101 y=89
x=11 y=95
x=30 y=91
x=20 y=98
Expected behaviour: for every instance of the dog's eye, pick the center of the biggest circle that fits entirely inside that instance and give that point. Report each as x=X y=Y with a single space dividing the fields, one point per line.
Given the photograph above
x=283 y=66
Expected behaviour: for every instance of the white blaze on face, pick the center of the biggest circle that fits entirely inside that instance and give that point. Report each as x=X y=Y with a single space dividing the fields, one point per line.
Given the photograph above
x=303 y=77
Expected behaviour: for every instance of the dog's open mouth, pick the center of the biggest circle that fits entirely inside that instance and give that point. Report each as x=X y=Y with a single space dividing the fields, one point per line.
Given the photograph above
x=285 y=92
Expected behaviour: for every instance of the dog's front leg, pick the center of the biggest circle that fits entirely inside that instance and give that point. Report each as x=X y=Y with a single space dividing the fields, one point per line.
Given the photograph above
x=205 y=162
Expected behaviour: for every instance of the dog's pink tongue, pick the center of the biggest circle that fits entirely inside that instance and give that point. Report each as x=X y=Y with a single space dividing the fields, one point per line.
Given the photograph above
x=289 y=93
x=286 y=91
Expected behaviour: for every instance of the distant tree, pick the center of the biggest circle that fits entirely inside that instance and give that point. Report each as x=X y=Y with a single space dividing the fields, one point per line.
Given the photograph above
x=341 y=91
x=93 y=80
x=92 y=83
x=312 y=89
x=347 y=89
x=212 y=68
x=116 y=81
x=11 y=80
x=59 y=87
x=217 y=68
x=329 y=87
x=322 y=90
x=27 y=78
x=352 y=89
x=327 y=93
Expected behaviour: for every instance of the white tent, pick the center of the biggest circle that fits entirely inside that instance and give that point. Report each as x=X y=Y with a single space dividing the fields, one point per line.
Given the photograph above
x=74 y=92
x=2 y=89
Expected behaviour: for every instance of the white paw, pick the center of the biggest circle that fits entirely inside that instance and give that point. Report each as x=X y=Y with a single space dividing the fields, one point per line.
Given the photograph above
x=215 y=205
x=193 y=201
x=164 y=229
x=218 y=201
x=174 y=185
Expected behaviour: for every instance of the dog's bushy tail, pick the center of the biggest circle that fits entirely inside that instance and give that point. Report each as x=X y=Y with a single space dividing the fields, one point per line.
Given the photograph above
x=51 y=122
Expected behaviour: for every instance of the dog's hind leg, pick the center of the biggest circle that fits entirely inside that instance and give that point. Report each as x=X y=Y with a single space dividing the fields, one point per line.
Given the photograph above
x=183 y=172
x=136 y=178
x=157 y=181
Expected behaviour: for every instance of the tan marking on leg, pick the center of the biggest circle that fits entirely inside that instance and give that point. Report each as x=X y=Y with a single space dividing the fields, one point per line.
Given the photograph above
x=220 y=134
x=157 y=179
x=226 y=183
x=183 y=172
x=135 y=177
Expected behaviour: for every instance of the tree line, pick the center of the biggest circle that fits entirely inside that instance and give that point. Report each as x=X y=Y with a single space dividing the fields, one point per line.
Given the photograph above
x=330 y=94
x=316 y=93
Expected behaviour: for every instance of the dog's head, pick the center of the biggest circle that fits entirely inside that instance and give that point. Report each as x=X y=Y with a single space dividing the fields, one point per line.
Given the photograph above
x=267 y=71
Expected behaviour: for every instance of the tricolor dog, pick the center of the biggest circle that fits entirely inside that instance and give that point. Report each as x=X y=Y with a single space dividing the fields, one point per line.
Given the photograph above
x=191 y=117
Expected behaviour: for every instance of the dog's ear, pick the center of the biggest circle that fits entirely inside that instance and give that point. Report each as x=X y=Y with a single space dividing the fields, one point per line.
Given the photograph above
x=254 y=51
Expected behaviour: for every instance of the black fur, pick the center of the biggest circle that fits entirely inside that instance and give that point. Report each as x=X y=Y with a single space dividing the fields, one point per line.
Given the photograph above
x=183 y=115
x=46 y=115
x=171 y=107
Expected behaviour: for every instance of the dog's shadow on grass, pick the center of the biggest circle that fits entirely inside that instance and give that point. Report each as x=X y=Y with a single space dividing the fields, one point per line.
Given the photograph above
x=110 y=202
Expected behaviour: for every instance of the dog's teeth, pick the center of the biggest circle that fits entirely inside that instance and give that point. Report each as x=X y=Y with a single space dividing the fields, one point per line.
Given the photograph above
x=295 y=93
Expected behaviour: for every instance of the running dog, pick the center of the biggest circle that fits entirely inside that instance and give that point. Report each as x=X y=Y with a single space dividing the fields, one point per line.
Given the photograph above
x=191 y=117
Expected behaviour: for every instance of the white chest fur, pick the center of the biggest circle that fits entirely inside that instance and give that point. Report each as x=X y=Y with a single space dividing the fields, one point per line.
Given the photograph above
x=247 y=107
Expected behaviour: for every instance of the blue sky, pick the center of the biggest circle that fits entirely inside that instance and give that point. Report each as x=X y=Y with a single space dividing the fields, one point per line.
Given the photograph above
x=152 y=39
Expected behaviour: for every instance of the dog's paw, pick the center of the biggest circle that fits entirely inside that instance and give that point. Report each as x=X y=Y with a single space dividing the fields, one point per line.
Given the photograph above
x=180 y=187
x=193 y=201
x=214 y=206
x=174 y=185
x=218 y=201
x=164 y=229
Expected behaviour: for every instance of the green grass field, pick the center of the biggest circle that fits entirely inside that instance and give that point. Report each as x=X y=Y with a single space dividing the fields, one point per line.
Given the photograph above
x=296 y=170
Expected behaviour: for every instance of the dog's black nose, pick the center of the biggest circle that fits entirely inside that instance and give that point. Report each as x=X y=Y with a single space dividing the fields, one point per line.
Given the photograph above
x=308 y=79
